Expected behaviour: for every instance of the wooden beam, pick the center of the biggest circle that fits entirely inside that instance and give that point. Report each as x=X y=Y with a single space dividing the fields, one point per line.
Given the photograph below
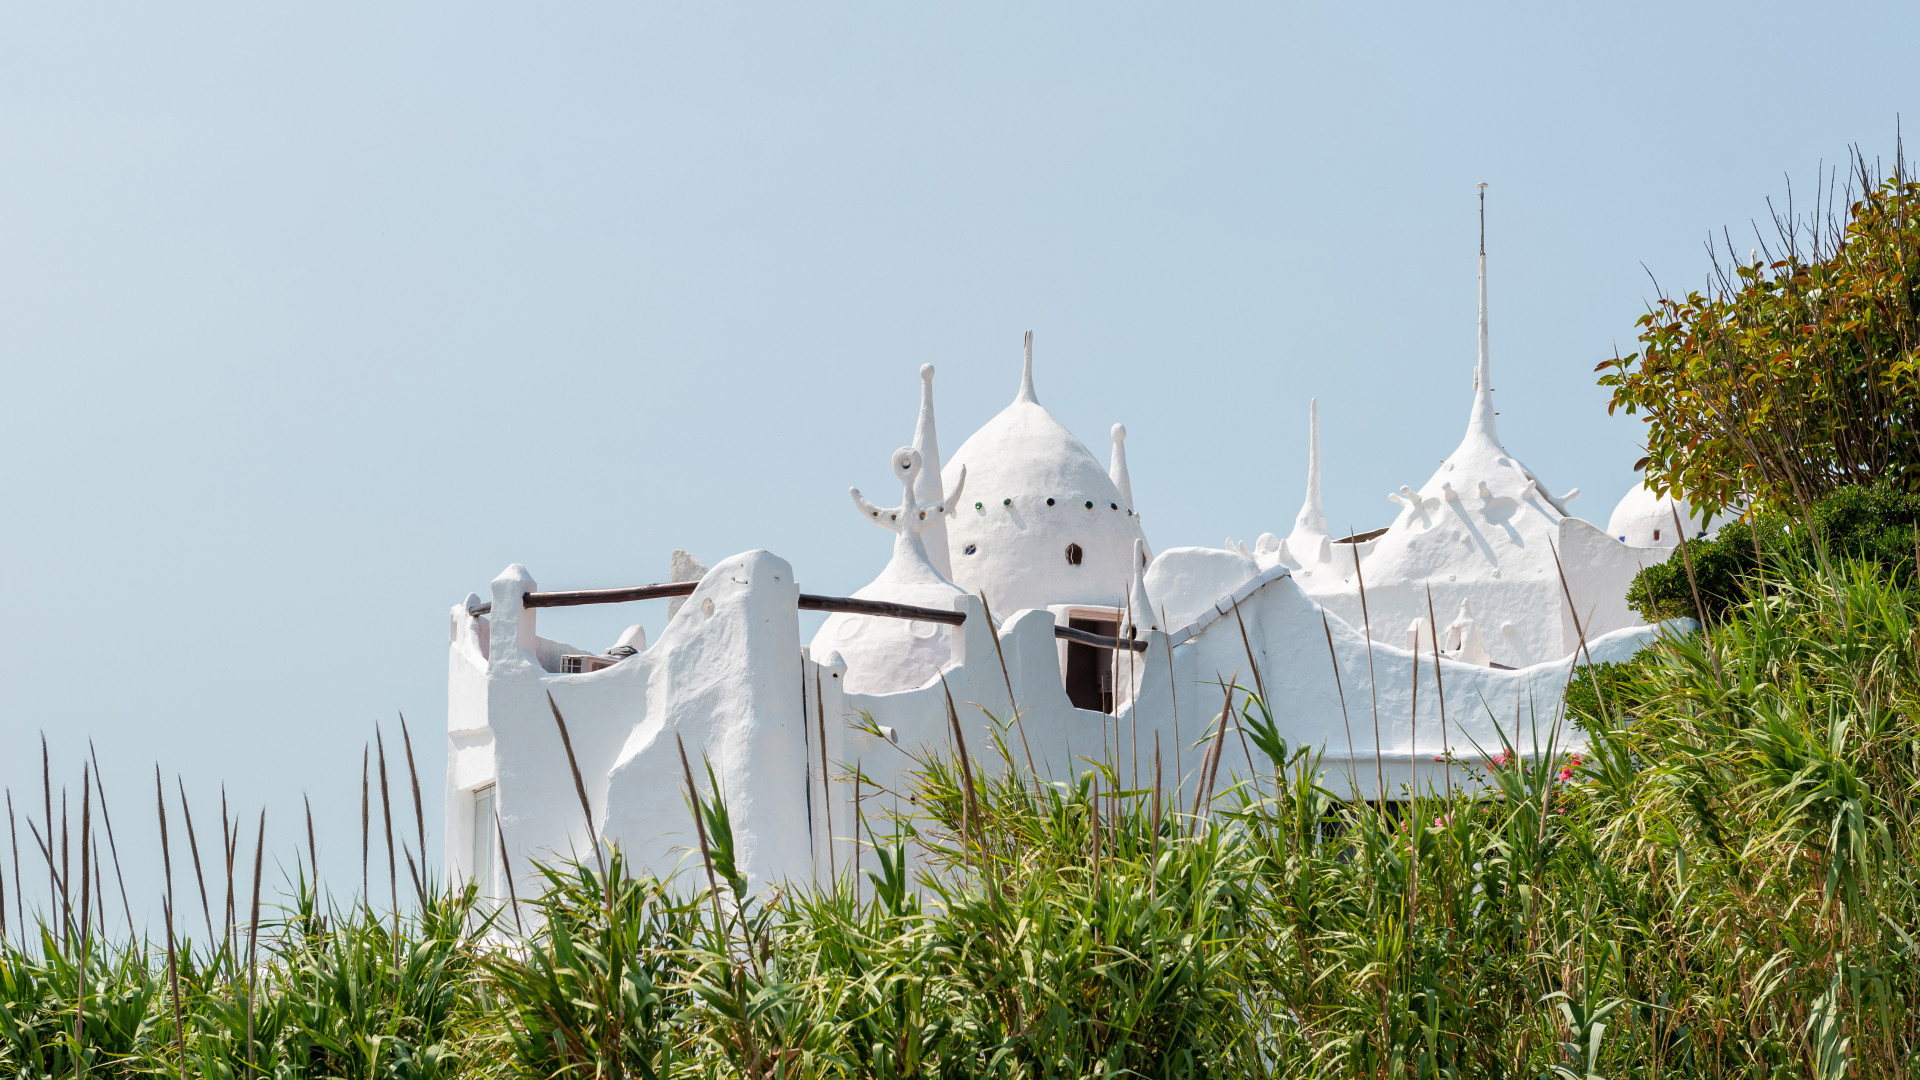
x=1100 y=641
x=882 y=608
x=808 y=602
x=578 y=597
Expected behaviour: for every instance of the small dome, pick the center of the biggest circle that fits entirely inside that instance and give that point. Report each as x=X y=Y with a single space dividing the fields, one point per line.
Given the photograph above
x=1014 y=538
x=1643 y=519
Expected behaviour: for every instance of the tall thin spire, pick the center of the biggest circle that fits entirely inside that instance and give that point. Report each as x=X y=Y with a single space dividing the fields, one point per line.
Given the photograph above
x=1312 y=520
x=927 y=490
x=1483 y=414
x=1117 y=465
x=1026 y=375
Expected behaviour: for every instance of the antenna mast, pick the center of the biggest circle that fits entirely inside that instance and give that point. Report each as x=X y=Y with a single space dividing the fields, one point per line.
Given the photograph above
x=1482 y=376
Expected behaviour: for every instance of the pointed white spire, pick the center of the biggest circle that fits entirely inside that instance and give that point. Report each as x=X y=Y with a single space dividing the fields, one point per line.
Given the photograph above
x=1140 y=607
x=926 y=487
x=1482 y=418
x=1026 y=375
x=1117 y=467
x=1312 y=520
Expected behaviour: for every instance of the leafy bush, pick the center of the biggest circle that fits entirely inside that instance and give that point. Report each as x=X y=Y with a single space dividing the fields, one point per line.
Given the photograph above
x=1794 y=373
x=1876 y=524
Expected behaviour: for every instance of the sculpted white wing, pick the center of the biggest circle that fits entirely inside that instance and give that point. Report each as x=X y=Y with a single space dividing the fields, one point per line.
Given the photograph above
x=886 y=519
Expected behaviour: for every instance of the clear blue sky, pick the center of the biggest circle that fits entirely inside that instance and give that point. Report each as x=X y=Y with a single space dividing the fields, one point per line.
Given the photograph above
x=311 y=320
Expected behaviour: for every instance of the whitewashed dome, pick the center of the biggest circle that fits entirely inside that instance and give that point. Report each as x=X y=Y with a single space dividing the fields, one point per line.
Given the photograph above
x=1041 y=522
x=884 y=654
x=1643 y=519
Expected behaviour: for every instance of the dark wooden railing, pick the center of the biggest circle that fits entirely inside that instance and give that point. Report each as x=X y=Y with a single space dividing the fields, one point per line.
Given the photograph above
x=808 y=602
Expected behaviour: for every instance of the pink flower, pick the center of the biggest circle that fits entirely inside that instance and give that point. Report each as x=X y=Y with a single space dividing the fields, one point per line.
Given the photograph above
x=1566 y=775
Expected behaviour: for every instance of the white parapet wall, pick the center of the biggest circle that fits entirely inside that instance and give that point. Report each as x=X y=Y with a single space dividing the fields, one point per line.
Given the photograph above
x=778 y=732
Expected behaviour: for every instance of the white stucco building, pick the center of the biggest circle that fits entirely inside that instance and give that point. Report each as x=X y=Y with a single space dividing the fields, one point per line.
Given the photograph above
x=1022 y=583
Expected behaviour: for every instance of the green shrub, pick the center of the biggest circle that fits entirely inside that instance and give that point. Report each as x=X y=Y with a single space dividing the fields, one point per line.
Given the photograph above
x=1876 y=524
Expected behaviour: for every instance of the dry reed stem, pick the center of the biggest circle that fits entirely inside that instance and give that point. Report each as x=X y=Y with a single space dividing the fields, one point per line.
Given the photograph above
x=99 y=892
x=419 y=815
x=1173 y=703
x=366 y=893
x=46 y=790
x=1153 y=879
x=19 y=886
x=313 y=849
x=1259 y=687
x=173 y=981
x=1373 y=684
x=253 y=935
x=1440 y=691
x=16 y=883
x=1210 y=764
x=506 y=870
x=579 y=786
x=413 y=872
x=86 y=840
x=1413 y=724
x=1580 y=632
x=66 y=879
x=1353 y=782
x=993 y=632
x=193 y=843
x=700 y=830
x=106 y=816
x=1699 y=609
x=229 y=840
x=971 y=823
x=826 y=783
x=386 y=821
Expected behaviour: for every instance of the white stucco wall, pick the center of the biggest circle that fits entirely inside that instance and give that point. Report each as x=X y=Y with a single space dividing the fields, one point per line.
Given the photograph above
x=729 y=677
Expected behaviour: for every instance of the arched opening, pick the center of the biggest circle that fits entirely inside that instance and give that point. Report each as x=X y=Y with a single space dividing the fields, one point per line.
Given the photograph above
x=1073 y=554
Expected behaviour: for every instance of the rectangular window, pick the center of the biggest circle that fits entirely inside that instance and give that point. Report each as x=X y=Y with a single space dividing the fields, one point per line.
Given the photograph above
x=1089 y=674
x=483 y=839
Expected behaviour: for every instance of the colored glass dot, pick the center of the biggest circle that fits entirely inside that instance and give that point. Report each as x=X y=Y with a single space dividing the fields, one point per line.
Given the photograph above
x=1089 y=504
x=976 y=506
x=1006 y=502
x=1113 y=506
x=1049 y=502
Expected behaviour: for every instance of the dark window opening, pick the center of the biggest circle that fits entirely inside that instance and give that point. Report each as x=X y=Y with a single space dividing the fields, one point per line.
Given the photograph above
x=1073 y=554
x=1090 y=668
x=1656 y=534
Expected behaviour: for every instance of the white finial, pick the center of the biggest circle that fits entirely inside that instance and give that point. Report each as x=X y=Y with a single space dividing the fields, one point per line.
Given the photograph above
x=926 y=489
x=1026 y=374
x=908 y=520
x=1312 y=519
x=1482 y=419
x=1117 y=467
x=1140 y=607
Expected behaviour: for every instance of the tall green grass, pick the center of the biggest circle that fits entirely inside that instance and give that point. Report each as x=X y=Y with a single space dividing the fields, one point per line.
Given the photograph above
x=1721 y=883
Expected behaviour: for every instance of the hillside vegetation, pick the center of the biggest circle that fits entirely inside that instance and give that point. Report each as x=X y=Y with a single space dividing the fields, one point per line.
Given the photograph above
x=1723 y=884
